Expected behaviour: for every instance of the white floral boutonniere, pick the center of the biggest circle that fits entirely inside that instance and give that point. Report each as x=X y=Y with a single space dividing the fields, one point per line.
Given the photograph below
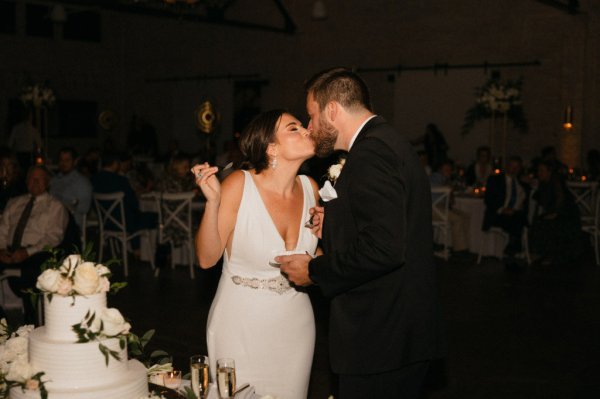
x=327 y=192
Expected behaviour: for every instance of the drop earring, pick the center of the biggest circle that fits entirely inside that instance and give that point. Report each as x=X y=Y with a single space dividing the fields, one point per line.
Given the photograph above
x=273 y=163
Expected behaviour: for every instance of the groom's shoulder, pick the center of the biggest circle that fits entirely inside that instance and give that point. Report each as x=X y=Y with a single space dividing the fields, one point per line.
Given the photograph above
x=382 y=130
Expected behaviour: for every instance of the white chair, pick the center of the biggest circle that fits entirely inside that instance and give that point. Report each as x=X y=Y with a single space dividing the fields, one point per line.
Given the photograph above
x=111 y=212
x=591 y=227
x=504 y=236
x=175 y=213
x=89 y=220
x=440 y=210
x=584 y=194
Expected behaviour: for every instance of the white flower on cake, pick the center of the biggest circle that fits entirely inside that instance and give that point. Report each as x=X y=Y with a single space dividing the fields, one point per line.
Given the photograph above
x=110 y=323
x=15 y=369
x=74 y=276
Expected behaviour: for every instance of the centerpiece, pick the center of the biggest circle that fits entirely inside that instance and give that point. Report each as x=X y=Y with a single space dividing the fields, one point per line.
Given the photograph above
x=497 y=101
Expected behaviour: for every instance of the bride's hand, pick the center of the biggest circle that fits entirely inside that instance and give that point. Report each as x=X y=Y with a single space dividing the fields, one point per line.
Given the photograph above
x=207 y=180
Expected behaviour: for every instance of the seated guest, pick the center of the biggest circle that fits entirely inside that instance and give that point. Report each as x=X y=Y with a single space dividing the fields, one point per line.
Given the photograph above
x=140 y=177
x=12 y=183
x=459 y=221
x=72 y=188
x=556 y=232
x=549 y=154
x=89 y=164
x=108 y=180
x=506 y=204
x=478 y=172
x=178 y=177
x=29 y=223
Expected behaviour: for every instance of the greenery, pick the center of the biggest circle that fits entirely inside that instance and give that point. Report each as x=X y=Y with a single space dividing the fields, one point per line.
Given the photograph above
x=497 y=98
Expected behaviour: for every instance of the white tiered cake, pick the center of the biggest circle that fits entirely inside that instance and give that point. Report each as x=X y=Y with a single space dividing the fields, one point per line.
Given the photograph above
x=79 y=370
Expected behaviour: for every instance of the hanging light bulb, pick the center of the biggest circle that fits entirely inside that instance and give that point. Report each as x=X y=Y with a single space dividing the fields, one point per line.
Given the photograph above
x=568 y=119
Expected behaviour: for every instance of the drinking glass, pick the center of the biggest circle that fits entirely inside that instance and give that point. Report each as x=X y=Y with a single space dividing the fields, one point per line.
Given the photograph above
x=200 y=375
x=172 y=379
x=226 y=378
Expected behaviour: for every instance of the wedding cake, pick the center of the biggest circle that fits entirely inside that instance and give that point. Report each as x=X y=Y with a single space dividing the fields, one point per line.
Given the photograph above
x=96 y=369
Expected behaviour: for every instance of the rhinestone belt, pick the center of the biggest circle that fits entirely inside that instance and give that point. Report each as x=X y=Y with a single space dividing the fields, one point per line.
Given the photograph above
x=278 y=284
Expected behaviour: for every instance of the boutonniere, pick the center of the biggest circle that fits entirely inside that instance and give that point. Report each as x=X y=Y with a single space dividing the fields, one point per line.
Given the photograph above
x=327 y=192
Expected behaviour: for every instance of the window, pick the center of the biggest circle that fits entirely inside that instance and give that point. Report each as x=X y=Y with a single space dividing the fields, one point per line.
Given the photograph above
x=38 y=22
x=82 y=25
x=8 y=16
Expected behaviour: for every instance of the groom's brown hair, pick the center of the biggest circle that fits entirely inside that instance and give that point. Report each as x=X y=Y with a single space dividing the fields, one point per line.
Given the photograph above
x=341 y=85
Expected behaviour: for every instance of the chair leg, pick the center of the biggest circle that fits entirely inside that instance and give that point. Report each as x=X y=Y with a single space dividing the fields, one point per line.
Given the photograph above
x=124 y=254
x=596 y=248
x=190 y=260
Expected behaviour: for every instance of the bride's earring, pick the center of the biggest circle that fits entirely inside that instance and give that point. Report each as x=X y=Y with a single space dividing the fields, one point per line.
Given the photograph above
x=273 y=163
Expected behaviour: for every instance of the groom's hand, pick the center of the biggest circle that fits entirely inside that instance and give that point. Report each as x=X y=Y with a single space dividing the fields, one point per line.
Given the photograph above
x=295 y=268
x=317 y=215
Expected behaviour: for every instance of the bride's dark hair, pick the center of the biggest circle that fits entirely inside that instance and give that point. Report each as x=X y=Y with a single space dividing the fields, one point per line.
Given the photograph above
x=256 y=137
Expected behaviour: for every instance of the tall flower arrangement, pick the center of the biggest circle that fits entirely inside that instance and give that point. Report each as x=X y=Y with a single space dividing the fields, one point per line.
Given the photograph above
x=38 y=96
x=497 y=98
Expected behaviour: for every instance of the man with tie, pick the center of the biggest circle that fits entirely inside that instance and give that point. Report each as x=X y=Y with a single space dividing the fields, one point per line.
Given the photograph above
x=506 y=204
x=29 y=223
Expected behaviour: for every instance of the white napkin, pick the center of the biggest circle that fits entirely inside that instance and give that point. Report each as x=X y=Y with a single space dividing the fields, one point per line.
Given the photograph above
x=327 y=192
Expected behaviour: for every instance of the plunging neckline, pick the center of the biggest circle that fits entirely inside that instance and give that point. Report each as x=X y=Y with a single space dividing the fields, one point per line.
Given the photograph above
x=295 y=248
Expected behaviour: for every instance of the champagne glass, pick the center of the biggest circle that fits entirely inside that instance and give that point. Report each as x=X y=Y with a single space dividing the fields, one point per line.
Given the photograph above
x=200 y=375
x=172 y=379
x=226 y=378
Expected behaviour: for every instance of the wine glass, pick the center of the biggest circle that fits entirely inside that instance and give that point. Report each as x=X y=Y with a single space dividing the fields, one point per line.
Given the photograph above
x=226 y=378
x=199 y=367
x=172 y=379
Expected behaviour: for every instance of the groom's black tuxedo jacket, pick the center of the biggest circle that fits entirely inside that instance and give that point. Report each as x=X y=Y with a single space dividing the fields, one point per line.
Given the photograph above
x=378 y=265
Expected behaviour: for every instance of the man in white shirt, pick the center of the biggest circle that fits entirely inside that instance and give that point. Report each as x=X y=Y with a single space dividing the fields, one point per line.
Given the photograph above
x=24 y=140
x=29 y=223
x=506 y=204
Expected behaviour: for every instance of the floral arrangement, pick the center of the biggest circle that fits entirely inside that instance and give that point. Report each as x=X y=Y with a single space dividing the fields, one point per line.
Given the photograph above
x=38 y=96
x=497 y=97
x=75 y=275
x=15 y=369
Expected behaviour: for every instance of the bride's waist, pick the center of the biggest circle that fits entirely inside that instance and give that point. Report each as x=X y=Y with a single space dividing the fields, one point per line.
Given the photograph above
x=274 y=282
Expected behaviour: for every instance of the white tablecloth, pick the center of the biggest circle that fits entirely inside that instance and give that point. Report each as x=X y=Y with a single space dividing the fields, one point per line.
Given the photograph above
x=473 y=206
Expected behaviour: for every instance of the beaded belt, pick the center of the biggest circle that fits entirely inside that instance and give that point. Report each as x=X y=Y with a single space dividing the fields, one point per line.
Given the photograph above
x=278 y=284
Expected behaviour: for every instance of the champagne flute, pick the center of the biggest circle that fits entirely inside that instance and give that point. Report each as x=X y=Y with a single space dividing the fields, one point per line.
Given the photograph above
x=200 y=375
x=226 y=378
x=172 y=379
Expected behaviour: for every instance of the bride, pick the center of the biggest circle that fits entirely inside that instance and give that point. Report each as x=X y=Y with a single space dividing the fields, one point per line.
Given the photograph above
x=257 y=318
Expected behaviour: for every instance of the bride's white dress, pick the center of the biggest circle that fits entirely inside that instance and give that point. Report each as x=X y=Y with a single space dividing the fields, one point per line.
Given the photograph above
x=256 y=318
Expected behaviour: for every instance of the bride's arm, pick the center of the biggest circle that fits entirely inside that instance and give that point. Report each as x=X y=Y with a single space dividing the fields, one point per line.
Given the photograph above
x=218 y=220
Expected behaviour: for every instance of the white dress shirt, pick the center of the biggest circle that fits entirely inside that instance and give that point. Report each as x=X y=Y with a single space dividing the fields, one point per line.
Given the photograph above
x=520 y=195
x=45 y=227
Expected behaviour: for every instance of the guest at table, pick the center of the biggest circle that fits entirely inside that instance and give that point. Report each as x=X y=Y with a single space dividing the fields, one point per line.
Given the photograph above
x=89 y=164
x=459 y=221
x=434 y=143
x=25 y=140
x=12 y=184
x=28 y=224
x=549 y=154
x=478 y=172
x=178 y=177
x=556 y=233
x=70 y=187
x=506 y=204
x=139 y=175
x=108 y=180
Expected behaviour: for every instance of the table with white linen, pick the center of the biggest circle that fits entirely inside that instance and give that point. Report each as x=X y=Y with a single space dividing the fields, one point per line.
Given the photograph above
x=475 y=207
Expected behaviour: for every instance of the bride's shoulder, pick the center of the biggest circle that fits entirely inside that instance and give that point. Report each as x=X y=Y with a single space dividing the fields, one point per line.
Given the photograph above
x=234 y=181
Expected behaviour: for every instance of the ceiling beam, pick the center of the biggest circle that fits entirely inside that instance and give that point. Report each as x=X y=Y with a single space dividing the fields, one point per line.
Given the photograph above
x=215 y=16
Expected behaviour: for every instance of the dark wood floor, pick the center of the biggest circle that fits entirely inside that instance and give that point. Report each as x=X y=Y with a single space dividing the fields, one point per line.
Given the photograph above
x=533 y=333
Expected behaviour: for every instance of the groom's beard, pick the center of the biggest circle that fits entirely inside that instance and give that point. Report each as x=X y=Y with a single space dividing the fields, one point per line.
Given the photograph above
x=325 y=138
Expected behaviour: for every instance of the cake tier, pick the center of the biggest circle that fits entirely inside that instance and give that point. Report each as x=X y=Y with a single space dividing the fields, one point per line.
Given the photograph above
x=62 y=312
x=73 y=365
x=132 y=384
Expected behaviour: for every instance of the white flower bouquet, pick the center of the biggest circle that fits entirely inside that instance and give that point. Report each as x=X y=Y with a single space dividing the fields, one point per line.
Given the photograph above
x=75 y=275
x=38 y=95
x=15 y=369
x=497 y=97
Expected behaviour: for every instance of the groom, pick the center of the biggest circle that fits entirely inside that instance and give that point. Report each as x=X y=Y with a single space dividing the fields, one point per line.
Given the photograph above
x=378 y=267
